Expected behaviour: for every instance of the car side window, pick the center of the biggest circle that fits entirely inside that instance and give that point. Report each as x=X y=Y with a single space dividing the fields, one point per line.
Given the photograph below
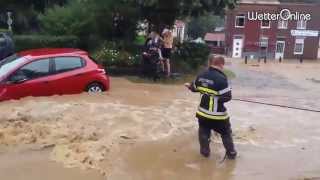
x=64 y=64
x=34 y=70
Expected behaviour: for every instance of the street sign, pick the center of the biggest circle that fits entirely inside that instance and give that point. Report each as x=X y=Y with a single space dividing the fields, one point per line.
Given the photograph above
x=305 y=33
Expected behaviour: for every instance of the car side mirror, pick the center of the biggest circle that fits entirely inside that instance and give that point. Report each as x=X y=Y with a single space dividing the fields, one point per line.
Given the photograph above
x=17 y=79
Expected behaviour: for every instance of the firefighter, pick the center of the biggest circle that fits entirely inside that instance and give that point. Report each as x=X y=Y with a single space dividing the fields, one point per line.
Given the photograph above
x=212 y=114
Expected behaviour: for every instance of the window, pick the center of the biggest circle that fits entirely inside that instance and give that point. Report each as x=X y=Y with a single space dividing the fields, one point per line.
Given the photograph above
x=264 y=42
x=299 y=46
x=282 y=24
x=265 y=24
x=63 y=64
x=301 y=24
x=214 y=43
x=34 y=70
x=10 y=63
x=240 y=20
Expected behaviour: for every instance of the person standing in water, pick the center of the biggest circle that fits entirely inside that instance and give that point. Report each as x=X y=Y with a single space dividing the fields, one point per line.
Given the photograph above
x=167 y=48
x=212 y=114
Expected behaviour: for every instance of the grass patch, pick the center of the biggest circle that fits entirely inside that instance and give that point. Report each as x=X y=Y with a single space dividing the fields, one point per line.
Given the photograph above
x=174 y=81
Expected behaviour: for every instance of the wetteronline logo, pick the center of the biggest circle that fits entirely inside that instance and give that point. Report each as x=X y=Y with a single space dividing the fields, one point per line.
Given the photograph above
x=285 y=15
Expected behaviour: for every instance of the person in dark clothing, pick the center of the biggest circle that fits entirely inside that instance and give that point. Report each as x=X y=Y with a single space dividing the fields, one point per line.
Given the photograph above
x=212 y=114
x=152 y=56
x=146 y=62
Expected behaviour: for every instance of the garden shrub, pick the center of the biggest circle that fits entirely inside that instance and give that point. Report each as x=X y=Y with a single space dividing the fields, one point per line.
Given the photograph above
x=116 y=55
x=190 y=56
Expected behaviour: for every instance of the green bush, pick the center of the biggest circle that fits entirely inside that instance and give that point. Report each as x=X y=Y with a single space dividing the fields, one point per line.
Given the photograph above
x=72 y=19
x=190 y=57
x=6 y=31
x=114 y=55
x=91 y=21
x=23 y=42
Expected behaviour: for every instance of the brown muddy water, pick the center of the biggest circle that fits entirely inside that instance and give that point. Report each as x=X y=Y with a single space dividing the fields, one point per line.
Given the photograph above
x=148 y=132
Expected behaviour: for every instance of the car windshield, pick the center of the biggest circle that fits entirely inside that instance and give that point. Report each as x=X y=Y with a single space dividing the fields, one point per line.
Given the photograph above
x=10 y=63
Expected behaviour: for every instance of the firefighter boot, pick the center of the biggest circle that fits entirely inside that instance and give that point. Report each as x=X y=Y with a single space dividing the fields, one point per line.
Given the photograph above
x=227 y=140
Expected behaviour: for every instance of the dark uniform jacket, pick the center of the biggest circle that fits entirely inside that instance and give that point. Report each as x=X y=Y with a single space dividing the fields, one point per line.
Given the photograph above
x=215 y=91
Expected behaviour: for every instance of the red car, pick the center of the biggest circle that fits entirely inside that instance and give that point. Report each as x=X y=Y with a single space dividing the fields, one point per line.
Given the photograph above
x=46 y=72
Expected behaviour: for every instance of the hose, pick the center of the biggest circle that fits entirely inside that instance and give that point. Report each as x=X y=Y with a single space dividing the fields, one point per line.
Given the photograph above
x=276 y=105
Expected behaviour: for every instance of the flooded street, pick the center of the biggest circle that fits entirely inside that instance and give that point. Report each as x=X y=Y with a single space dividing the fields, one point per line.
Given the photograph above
x=36 y=165
x=149 y=131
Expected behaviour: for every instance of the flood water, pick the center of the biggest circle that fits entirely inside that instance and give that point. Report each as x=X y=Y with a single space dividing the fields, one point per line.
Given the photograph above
x=148 y=131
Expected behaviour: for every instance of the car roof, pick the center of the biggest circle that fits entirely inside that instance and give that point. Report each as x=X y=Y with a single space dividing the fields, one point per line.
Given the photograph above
x=48 y=52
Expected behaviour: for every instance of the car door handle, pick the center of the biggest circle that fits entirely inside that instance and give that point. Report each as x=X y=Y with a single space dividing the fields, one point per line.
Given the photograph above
x=46 y=82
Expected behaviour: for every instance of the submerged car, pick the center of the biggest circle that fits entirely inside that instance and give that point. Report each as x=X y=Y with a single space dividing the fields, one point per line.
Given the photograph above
x=47 y=72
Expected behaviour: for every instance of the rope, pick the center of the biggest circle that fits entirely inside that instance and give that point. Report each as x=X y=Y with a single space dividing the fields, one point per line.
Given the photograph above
x=277 y=105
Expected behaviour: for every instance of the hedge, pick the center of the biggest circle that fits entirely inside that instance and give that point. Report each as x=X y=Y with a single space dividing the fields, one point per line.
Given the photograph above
x=24 y=42
x=187 y=57
x=4 y=30
x=118 y=54
x=190 y=57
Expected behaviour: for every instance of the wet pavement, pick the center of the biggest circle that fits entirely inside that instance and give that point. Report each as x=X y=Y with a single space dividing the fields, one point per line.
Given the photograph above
x=152 y=135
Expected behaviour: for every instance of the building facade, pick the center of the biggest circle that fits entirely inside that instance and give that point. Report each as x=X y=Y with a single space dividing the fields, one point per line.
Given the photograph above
x=273 y=30
x=216 y=42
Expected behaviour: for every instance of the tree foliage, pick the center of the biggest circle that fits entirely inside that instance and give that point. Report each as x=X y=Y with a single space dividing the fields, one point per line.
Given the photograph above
x=92 y=20
x=114 y=18
x=163 y=12
x=38 y=5
x=199 y=26
x=67 y=20
x=158 y=13
x=25 y=12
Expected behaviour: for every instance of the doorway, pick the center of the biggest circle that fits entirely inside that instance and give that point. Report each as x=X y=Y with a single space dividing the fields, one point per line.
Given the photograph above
x=237 y=47
x=280 y=47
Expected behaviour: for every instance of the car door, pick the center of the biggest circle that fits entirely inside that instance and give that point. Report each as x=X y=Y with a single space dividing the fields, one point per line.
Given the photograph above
x=30 y=80
x=69 y=75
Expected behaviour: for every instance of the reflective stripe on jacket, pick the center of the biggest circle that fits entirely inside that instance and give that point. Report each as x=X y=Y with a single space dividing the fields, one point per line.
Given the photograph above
x=215 y=91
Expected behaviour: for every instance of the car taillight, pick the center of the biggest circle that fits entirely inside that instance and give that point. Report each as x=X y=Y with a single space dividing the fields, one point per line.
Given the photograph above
x=101 y=69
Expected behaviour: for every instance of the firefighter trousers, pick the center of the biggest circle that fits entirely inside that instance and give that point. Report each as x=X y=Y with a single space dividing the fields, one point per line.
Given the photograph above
x=223 y=127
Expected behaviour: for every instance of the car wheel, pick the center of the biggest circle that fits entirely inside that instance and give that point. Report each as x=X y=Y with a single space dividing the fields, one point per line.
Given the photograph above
x=95 y=88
